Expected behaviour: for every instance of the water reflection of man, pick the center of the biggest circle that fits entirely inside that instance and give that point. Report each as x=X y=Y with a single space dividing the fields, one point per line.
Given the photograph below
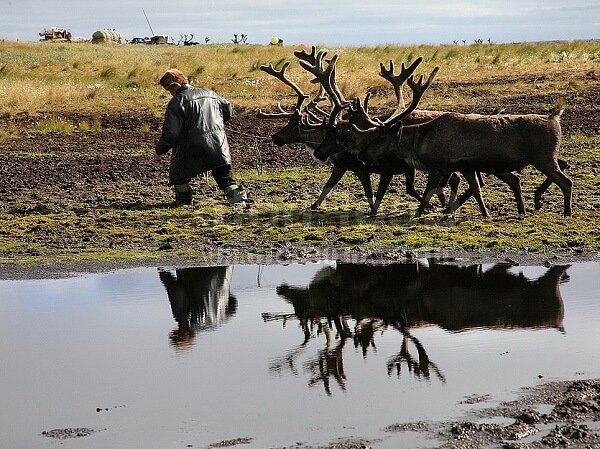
x=200 y=300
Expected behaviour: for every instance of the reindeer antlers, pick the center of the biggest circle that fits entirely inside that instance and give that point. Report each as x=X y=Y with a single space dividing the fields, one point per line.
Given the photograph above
x=305 y=56
x=418 y=89
x=313 y=63
x=280 y=75
x=326 y=76
x=398 y=80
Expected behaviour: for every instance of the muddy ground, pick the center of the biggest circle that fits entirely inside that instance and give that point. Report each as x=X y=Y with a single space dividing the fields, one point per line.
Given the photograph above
x=118 y=150
x=550 y=415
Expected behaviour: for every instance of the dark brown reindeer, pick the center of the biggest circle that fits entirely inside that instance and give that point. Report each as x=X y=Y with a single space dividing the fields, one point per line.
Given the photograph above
x=471 y=143
x=386 y=167
x=300 y=130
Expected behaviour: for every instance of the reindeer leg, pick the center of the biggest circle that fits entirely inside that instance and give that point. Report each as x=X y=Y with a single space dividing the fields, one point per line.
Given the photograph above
x=539 y=192
x=454 y=182
x=336 y=174
x=365 y=179
x=454 y=203
x=384 y=182
x=453 y=188
x=471 y=178
x=409 y=175
x=462 y=199
x=555 y=174
x=433 y=182
x=514 y=183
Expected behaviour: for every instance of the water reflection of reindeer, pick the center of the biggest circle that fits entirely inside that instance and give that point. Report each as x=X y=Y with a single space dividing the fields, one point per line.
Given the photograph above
x=406 y=296
x=200 y=300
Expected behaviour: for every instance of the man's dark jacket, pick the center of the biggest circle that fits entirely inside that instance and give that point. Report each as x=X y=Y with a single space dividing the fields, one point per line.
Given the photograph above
x=194 y=128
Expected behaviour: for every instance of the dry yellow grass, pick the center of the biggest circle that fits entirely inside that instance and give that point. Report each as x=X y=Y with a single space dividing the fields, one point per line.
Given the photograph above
x=43 y=76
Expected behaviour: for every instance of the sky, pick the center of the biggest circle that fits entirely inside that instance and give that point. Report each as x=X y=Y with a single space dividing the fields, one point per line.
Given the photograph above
x=325 y=22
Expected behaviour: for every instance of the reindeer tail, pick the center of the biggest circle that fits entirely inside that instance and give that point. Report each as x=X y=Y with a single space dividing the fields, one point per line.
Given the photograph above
x=556 y=114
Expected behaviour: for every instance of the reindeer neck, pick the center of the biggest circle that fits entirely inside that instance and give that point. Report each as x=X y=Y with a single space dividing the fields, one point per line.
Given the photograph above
x=405 y=145
x=312 y=138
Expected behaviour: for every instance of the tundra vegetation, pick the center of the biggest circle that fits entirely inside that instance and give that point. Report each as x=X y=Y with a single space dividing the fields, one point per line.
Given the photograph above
x=79 y=121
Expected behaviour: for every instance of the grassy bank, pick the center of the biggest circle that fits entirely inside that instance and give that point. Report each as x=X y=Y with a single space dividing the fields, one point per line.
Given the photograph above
x=123 y=215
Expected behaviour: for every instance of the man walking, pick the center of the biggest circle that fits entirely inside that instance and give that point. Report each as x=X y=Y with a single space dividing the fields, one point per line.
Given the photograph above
x=194 y=129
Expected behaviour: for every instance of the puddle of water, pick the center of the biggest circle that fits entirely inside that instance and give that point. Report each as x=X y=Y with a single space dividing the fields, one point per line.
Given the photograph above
x=278 y=355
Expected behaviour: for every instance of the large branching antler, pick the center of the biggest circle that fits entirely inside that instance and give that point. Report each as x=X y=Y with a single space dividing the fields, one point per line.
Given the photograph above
x=280 y=75
x=398 y=80
x=418 y=88
x=358 y=114
x=312 y=109
x=363 y=123
x=311 y=57
x=326 y=77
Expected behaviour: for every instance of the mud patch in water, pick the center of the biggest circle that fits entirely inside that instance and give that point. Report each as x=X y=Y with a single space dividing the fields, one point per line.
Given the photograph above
x=68 y=433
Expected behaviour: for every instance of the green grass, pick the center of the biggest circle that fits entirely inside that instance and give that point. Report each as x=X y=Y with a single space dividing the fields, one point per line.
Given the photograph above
x=126 y=229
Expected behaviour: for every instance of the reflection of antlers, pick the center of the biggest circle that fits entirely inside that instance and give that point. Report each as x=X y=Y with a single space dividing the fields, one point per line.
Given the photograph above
x=398 y=80
x=288 y=361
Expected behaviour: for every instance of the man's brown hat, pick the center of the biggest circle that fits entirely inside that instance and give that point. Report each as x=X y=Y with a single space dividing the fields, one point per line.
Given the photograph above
x=172 y=76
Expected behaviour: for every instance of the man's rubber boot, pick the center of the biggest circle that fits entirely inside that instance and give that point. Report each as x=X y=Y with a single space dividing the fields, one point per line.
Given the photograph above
x=236 y=195
x=183 y=198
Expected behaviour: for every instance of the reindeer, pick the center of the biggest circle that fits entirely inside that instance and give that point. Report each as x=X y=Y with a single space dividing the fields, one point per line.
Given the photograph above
x=189 y=41
x=300 y=130
x=457 y=142
x=240 y=40
x=186 y=41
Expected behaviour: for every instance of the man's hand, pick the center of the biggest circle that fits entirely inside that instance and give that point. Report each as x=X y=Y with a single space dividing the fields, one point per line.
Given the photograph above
x=155 y=156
